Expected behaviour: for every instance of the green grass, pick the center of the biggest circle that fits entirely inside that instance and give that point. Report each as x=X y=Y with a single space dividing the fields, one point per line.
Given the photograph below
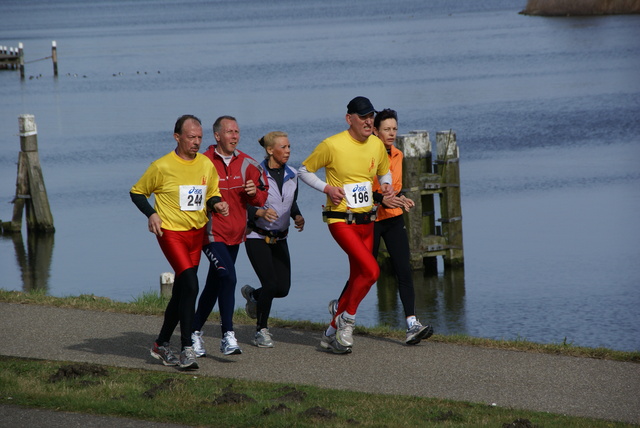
x=191 y=399
x=194 y=399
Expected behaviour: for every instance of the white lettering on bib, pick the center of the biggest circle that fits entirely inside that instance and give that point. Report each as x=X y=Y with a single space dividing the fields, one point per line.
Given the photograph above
x=358 y=195
x=192 y=197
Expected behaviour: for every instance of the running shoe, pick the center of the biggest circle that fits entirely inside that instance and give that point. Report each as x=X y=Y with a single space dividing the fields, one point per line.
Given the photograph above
x=164 y=354
x=188 y=359
x=344 y=335
x=329 y=343
x=333 y=308
x=198 y=344
x=417 y=332
x=263 y=339
x=229 y=344
x=251 y=308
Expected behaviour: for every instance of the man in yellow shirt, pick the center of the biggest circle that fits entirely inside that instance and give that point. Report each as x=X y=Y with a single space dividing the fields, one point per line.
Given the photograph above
x=351 y=160
x=185 y=185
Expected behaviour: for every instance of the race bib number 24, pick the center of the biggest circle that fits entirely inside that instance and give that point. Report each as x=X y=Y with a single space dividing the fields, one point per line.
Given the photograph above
x=192 y=197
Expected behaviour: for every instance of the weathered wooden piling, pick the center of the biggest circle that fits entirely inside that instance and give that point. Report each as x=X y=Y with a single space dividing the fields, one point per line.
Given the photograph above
x=21 y=59
x=30 y=189
x=421 y=182
x=10 y=57
x=419 y=222
x=13 y=58
x=166 y=284
x=448 y=164
x=54 y=57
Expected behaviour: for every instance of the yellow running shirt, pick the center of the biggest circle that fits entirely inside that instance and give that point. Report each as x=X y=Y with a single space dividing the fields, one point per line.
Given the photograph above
x=348 y=162
x=181 y=189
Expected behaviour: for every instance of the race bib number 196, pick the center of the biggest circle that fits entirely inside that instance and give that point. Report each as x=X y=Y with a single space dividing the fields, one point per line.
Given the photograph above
x=358 y=195
x=192 y=197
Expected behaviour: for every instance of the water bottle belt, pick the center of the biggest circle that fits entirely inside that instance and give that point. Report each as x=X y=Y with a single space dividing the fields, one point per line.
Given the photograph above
x=278 y=234
x=349 y=217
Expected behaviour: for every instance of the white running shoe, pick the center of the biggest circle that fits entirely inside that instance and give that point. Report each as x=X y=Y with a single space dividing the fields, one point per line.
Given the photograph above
x=329 y=343
x=345 y=326
x=164 y=354
x=188 y=359
x=417 y=332
x=198 y=344
x=251 y=308
x=229 y=344
x=263 y=339
x=333 y=308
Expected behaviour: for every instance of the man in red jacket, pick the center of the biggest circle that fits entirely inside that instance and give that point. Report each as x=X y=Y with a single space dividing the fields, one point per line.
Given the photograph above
x=241 y=181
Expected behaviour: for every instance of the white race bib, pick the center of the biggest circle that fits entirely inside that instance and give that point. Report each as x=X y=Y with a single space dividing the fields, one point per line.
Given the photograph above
x=358 y=195
x=192 y=197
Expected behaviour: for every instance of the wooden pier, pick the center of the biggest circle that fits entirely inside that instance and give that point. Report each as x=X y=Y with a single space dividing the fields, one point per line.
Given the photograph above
x=431 y=235
x=12 y=58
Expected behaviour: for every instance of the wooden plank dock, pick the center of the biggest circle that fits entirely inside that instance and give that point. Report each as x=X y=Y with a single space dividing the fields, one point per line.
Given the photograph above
x=10 y=57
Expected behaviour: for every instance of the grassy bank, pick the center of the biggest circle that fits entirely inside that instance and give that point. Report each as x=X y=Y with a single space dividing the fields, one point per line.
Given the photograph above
x=190 y=399
x=153 y=304
x=194 y=399
x=581 y=7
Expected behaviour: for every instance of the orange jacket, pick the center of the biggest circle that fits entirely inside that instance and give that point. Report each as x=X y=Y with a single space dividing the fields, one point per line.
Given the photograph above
x=395 y=161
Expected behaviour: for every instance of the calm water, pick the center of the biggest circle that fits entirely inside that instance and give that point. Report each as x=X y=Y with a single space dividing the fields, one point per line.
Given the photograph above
x=545 y=110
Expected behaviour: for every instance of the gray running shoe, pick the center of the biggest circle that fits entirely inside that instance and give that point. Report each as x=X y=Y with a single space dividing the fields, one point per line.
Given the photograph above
x=344 y=335
x=417 y=332
x=329 y=343
x=333 y=308
x=188 y=359
x=252 y=305
x=164 y=354
x=198 y=344
x=263 y=339
x=229 y=344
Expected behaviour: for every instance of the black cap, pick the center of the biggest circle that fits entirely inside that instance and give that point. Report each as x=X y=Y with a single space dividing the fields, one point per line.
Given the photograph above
x=360 y=106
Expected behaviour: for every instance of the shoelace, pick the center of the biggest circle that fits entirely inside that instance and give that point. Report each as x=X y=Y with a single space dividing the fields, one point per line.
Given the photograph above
x=230 y=337
x=166 y=351
x=347 y=324
x=199 y=343
x=264 y=332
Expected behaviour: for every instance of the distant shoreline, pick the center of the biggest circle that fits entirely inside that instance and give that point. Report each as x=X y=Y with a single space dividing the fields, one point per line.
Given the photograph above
x=581 y=7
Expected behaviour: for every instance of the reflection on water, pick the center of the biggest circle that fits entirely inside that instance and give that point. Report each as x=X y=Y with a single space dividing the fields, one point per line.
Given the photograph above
x=35 y=261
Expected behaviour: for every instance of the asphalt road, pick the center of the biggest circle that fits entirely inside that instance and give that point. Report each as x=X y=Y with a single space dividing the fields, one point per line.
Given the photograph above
x=564 y=385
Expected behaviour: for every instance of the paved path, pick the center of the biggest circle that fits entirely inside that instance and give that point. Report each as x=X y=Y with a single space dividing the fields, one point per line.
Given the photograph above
x=557 y=384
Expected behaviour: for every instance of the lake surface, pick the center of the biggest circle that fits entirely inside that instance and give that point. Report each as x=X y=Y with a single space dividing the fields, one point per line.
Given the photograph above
x=546 y=112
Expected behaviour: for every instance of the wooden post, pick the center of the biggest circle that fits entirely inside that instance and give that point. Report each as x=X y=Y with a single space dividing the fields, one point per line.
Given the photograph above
x=419 y=222
x=426 y=240
x=166 y=284
x=54 y=57
x=450 y=204
x=30 y=189
x=21 y=59
x=22 y=194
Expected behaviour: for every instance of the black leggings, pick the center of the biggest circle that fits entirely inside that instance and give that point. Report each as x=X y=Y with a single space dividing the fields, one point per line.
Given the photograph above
x=393 y=231
x=181 y=307
x=272 y=264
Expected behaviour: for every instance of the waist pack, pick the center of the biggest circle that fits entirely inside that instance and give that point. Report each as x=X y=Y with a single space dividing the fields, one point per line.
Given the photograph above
x=270 y=236
x=351 y=217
